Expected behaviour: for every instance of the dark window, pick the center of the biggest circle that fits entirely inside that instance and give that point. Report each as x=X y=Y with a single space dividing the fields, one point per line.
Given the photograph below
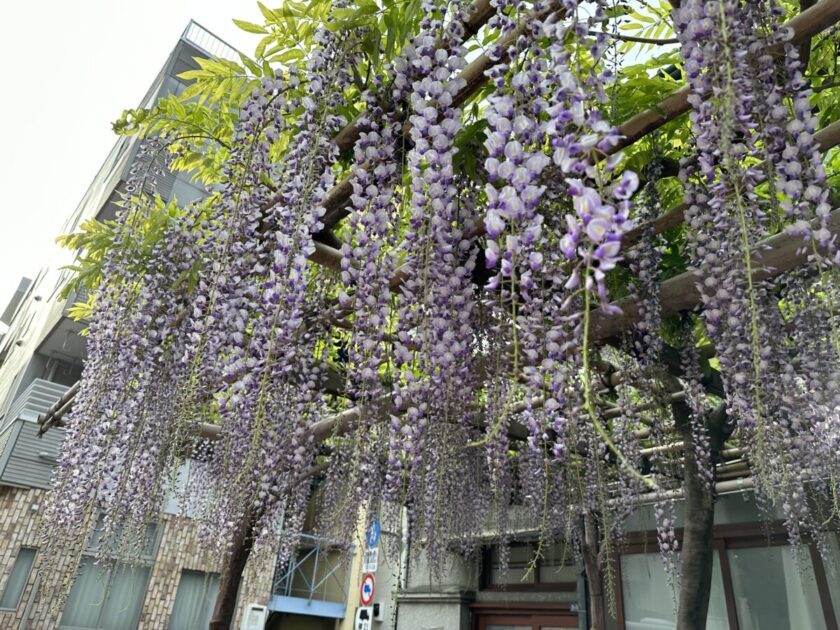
x=17 y=579
x=194 y=600
x=553 y=570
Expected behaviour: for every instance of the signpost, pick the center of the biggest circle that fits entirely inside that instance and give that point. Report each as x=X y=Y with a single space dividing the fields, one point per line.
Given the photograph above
x=367 y=589
x=370 y=561
x=374 y=532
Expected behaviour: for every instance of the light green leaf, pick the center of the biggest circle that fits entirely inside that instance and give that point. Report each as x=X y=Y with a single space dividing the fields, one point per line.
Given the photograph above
x=250 y=27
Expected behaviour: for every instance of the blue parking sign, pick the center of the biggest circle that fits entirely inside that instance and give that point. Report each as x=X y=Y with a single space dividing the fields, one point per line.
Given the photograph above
x=374 y=532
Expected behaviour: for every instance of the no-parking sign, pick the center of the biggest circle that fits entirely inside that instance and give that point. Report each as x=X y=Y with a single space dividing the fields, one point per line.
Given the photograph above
x=367 y=589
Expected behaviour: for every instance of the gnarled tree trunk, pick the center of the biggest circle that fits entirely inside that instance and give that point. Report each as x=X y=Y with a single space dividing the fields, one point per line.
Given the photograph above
x=231 y=577
x=594 y=575
x=697 y=551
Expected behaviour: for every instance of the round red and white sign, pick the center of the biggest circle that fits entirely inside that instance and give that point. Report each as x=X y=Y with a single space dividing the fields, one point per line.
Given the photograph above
x=366 y=591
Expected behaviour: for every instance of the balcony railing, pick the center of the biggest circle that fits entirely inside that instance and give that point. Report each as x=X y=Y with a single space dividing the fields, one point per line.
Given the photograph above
x=199 y=36
x=35 y=400
x=315 y=581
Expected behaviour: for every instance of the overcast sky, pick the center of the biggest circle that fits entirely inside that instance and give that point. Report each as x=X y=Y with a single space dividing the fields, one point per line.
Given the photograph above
x=69 y=69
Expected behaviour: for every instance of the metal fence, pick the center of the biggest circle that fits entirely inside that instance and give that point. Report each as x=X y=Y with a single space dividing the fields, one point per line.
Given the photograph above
x=199 y=36
x=317 y=571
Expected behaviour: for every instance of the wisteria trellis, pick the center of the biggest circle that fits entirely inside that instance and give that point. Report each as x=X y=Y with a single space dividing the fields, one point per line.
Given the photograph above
x=468 y=300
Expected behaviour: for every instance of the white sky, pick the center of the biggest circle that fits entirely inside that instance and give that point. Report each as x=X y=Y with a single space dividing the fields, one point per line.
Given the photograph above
x=69 y=69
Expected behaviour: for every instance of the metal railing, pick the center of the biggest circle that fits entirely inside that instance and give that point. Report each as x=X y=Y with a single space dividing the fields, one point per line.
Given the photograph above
x=317 y=571
x=35 y=400
x=200 y=37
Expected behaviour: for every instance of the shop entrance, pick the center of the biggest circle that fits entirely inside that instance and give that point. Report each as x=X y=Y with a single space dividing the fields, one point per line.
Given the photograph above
x=520 y=621
x=522 y=616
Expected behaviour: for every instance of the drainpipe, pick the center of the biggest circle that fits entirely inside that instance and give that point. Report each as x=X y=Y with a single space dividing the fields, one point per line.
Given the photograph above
x=402 y=582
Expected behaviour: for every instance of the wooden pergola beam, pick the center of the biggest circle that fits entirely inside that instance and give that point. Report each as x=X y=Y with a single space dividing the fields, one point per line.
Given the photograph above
x=804 y=26
x=826 y=139
x=678 y=293
x=772 y=257
x=473 y=75
x=481 y=13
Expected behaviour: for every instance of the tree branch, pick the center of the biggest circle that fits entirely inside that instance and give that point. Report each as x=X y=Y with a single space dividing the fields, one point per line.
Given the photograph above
x=640 y=40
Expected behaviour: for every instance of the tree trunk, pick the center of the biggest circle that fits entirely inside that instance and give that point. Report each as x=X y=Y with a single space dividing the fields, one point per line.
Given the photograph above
x=231 y=577
x=594 y=577
x=697 y=551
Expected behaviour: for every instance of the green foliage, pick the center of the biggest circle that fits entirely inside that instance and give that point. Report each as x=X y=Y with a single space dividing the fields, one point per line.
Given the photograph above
x=95 y=239
x=648 y=22
x=91 y=244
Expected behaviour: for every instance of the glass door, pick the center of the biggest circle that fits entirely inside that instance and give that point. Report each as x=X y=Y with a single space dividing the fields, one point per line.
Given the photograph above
x=526 y=621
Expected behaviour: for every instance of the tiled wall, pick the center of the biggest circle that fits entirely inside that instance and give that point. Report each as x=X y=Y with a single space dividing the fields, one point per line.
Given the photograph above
x=178 y=549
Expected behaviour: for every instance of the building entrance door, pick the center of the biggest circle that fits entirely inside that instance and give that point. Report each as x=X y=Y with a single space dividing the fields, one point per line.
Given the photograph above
x=524 y=621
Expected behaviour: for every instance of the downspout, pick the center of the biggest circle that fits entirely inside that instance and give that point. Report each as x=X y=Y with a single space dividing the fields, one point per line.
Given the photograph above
x=402 y=581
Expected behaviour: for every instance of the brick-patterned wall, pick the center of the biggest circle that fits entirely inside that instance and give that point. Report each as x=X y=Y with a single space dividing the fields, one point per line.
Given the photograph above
x=18 y=528
x=178 y=549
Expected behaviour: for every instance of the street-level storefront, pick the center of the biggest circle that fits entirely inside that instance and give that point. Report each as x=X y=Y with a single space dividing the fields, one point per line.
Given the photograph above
x=523 y=616
x=758 y=582
x=534 y=593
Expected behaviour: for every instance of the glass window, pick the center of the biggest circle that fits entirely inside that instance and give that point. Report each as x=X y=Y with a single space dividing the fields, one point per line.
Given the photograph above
x=17 y=578
x=557 y=565
x=775 y=589
x=519 y=561
x=148 y=553
x=650 y=602
x=194 y=600
x=554 y=570
x=108 y=599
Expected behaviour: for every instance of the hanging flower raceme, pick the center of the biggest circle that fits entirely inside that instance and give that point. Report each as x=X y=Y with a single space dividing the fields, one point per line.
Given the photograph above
x=741 y=116
x=433 y=366
x=554 y=224
x=227 y=323
x=119 y=449
x=268 y=406
x=216 y=328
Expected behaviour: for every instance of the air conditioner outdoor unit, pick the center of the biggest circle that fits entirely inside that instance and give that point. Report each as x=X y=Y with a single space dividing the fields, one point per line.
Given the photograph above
x=254 y=617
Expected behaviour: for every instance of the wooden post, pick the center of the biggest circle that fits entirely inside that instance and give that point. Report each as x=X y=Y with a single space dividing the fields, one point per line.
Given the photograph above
x=225 y=607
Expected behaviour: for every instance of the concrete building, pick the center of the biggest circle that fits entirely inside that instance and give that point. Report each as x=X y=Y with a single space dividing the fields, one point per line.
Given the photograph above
x=757 y=584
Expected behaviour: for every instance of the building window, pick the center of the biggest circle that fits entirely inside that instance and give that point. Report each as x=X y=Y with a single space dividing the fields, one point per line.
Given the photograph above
x=786 y=596
x=757 y=582
x=105 y=599
x=16 y=582
x=554 y=570
x=649 y=600
x=194 y=600
x=832 y=569
x=112 y=597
